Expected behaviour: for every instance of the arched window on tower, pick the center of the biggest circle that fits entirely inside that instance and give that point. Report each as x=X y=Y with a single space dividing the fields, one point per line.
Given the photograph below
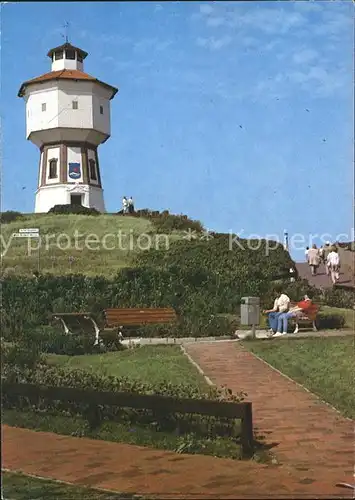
x=92 y=170
x=53 y=169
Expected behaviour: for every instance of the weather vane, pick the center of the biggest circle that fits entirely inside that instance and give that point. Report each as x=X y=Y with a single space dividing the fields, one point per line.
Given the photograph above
x=66 y=32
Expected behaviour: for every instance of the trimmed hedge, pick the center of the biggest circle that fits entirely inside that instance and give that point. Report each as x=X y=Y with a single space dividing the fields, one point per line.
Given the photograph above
x=327 y=321
x=73 y=209
x=335 y=297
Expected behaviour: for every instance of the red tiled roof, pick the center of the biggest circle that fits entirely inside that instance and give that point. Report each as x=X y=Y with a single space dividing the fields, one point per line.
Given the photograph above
x=64 y=74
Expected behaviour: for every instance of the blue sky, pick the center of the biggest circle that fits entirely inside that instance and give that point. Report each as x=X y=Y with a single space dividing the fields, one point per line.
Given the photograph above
x=211 y=118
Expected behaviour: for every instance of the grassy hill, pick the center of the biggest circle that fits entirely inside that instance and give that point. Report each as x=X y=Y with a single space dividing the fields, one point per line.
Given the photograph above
x=92 y=245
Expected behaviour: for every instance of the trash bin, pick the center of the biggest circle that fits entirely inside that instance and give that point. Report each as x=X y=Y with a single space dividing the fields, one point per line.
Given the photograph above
x=250 y=311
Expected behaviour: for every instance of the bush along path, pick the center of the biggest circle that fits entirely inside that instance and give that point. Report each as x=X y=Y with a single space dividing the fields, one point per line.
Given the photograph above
x=303 y=432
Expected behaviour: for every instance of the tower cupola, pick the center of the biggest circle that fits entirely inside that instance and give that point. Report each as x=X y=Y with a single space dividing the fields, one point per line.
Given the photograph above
x=67 y=56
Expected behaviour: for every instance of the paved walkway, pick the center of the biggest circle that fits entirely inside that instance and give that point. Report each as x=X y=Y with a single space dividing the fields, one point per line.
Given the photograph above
x=307 y=434
x=321 y=280
x=313 y=444
x=134 y=469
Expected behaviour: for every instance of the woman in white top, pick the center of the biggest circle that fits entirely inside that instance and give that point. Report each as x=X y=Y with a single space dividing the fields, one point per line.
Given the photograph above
x=333 y=262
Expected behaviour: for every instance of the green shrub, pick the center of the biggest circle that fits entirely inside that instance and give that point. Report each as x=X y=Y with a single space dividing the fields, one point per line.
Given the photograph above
x=197 y=278
x=10 y=216
x=327 y=321
x=20 y=356
x=53 y=340
x=212 y=326
x=73 y=209
x=335 y=297
x=157 y=420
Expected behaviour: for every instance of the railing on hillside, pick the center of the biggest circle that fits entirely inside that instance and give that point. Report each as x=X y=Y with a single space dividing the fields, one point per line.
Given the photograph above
x=240 y=411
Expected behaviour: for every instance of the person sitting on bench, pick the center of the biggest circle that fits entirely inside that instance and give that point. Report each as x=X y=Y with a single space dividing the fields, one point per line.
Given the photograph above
x=305 y=306
x=281 y=305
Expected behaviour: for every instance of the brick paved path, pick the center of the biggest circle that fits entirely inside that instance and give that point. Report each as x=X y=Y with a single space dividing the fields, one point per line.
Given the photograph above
x=315 y=445
x=308 y=434
x=134 y=469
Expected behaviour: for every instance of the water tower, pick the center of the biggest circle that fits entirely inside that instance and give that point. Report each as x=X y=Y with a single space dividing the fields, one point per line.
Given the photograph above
x=67 y=118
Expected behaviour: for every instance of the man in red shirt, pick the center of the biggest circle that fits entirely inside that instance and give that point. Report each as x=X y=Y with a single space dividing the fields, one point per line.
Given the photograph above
x=304 y=306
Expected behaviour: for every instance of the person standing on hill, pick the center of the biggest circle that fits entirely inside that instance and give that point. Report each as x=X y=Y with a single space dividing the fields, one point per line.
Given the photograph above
x=124 y=205
x=313 y=259
x=130 y=205
x=333 y=262
x=281 y=305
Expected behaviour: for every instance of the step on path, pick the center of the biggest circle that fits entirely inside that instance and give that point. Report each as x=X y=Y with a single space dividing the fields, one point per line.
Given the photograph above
x=308 y=435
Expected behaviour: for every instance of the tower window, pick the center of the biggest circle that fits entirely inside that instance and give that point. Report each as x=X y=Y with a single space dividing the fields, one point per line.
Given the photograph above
x=79 y=57
x=70 y=54
x=75 y=104
x=53 y=174
x=92 y=170
x=44 y=106
x=58 y=55
x=101 y=110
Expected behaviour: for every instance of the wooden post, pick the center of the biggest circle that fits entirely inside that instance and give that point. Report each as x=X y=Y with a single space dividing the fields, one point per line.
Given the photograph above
x=247 y=434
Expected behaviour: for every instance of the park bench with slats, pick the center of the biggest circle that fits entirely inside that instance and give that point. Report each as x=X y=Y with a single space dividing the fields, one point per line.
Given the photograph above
x=78 y=323
x=305 y=319
x=134 y=317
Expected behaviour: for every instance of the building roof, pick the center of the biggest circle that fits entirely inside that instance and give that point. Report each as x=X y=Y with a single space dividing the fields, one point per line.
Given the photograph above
x=68 y=46
x=65 y=74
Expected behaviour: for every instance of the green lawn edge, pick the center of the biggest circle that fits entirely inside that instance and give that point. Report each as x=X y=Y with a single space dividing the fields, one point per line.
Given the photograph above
x=19 y=486
x=323 y=365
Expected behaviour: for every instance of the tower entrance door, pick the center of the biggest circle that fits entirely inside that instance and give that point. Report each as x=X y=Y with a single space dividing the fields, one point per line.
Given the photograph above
x=76 y=199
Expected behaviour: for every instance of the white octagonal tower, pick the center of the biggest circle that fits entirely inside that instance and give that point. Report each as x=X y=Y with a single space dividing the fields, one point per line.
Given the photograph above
x=68 y=117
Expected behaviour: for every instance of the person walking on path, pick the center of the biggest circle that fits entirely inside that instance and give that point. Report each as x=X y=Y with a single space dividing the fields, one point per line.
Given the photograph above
x=130 y=205
x=304 y=306
x=333 y=263
x=124 y=205
x=281 y=305
x=313 y=259
x=306 y=254
x=326 y=251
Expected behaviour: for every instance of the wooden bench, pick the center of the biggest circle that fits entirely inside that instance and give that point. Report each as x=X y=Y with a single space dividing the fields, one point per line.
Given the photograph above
x=133 y=317
x=78 y=323
x=306 y=318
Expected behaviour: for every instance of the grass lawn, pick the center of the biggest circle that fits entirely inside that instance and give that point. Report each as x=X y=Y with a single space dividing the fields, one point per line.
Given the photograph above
x=100 y=245
x=325 y=366
x=21 y=487
x=153 y=364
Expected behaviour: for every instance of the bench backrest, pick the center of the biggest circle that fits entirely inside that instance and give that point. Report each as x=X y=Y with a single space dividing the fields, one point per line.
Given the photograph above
x=76 y=322
x=139 y=316
x=310 y=313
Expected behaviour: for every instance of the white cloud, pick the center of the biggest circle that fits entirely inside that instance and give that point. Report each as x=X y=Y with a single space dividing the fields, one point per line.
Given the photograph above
x=213 y=43
x=305 y=56
x=334 y=22
x=270 y=20
x=205 y=8
x=215 y=21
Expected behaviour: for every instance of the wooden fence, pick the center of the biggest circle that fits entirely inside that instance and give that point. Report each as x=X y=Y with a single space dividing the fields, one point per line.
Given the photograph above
x=240 y=411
